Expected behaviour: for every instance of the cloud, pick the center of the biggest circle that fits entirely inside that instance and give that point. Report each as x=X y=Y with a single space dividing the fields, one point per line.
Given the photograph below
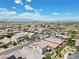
x=4 y=13
x=21 y=3
x=34 y=17
x=28 y=0
x=17 y=1
x=55 y=13
x=40 y=9
x=37 y=12
x=14 y=16
x=2 y=9
x=14 y=7
x=28 y=7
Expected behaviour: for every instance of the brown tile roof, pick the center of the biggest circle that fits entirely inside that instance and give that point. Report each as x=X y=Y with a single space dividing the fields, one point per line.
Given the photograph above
x=54 y=40
x=5 y=40
x=44 y=44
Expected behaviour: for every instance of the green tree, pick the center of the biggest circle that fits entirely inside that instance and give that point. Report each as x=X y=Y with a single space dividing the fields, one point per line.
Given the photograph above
x=5 y=46
x=24 y=30
x=9 y=35
x=57 y=50
x=26 y=38
x=77 y=49
x=70 y=42
x=72 y=33
x=48 y=56
x=14 y=43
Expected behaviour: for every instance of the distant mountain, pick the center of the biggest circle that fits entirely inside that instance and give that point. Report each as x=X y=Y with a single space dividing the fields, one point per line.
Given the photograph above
x=39 y=21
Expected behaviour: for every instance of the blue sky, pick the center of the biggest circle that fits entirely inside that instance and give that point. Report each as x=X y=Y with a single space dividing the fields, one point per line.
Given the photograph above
x=48 y=10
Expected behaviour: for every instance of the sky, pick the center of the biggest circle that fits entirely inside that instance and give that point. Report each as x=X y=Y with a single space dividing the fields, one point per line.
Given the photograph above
x=39 y=10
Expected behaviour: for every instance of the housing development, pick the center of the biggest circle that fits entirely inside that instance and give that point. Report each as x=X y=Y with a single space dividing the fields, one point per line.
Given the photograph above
x=39 y=40
x=39 y=29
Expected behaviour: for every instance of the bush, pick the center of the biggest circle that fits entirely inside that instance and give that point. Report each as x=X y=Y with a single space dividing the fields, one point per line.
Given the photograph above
x=77 y=48
x=14 y=43
x=9 y=35
x=26 y=38
x=5 y=46
x=48 y=56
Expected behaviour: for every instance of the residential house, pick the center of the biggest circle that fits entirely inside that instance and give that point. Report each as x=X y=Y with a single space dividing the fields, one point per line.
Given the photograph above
x=56 y=35
x=6 y=41
x=30 y=35
x=18 y=37
x=71 y=55
x=42 y=46
x=14 y=55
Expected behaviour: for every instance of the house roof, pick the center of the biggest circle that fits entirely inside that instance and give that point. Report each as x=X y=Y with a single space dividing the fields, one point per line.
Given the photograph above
x=51 y=42
x=5 y=40
x=54 y=40
x=30 y=34
x=15 y=53
x=25 y=33
x=73 y=55
x=43 y=44
x=17 y=35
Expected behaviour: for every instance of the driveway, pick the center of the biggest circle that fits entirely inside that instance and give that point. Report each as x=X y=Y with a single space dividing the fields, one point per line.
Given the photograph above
x=29 y=53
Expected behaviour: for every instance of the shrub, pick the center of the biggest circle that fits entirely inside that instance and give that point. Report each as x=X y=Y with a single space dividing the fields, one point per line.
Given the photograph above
x=5 y=46
x=14 y=43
